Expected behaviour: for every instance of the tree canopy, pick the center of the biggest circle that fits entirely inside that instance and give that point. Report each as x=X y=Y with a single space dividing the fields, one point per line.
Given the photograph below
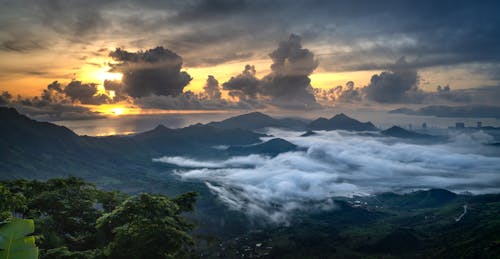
x=74 y=219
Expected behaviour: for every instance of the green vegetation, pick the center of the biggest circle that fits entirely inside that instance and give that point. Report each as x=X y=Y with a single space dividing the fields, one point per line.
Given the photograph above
x=422 y=224
x=74 y=219
x=15 y=242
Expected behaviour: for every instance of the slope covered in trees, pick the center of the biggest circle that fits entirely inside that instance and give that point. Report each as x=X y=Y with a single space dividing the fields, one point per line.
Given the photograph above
x=74 y=219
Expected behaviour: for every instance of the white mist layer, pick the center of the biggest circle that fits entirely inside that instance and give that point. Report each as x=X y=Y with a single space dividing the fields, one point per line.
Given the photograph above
x=343 y=164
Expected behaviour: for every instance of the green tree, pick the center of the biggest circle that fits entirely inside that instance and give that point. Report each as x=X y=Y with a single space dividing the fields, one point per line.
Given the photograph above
x=10 y=202
x=149 y=226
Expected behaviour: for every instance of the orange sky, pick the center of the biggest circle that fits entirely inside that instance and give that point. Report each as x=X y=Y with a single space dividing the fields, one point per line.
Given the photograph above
x=24 y=82
x=28 y=75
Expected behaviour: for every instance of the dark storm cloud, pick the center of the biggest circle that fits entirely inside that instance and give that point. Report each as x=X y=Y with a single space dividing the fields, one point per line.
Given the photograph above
x=470 y=111
x=288 y=84
x=85 y=93
x=212 y=89
x=152 y=72
x=74 y=92
x=244 y=86
x=209 y=99
x=395 y=86
x=290 y=59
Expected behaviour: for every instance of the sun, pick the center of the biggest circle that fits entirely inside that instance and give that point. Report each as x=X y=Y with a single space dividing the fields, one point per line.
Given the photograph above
x=117 y=111
x=104 y=75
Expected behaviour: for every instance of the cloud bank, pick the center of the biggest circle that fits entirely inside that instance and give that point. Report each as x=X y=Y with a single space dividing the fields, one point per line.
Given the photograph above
x=343 y=164
x=155 y=71
x=287 y=86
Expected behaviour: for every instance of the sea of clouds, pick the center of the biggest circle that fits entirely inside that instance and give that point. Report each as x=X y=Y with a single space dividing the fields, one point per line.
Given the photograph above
x=339 y=163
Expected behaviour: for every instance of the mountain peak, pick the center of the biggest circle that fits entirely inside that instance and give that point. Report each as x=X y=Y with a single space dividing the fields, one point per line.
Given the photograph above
x=256 y=120
x=395 y=129
x=341 y=115
x=341 y=122
x=160 y=127
x=398 y=132
x=257 y=114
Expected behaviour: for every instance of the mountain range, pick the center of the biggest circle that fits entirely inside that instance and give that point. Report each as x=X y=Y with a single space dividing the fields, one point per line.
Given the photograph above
x=341 y=122
x=36 y=149
x=257 y=120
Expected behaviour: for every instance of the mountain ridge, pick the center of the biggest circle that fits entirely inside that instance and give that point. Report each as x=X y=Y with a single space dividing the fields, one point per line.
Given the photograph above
x=340 y=122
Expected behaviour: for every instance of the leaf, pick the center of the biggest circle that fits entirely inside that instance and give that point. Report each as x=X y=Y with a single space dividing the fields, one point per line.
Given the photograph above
x=14 y=241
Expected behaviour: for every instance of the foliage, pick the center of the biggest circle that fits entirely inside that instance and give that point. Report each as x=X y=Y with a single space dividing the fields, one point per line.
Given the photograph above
x=146 y=221
x=14 y=242
x=9 y=203
x=77 y=220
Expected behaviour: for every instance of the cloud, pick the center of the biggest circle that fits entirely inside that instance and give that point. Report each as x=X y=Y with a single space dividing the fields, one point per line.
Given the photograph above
x=85 y=93
x=57 y=102
x=367 y=37
x=152 y=72
x=116 y=90
x=212 y=89
x=339 y=163
x=209 y=99
x=344 y=94
x=20 y=44
x=76 y=20
x=485 y=95
x=398 y=85
x=290 y=59
x=288 y=84
x=244 y=86
x=401 y=84
x=189 y=101
x=471 y=111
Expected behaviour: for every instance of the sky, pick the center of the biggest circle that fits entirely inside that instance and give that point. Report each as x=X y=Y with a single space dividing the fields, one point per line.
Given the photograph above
x=76 y=60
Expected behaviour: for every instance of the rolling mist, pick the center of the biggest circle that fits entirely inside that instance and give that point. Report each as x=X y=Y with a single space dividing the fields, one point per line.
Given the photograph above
x=343 y=164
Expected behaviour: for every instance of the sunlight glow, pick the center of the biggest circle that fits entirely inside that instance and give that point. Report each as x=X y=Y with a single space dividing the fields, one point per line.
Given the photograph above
x=118 y=110
x=123 y=109
x=103 y=75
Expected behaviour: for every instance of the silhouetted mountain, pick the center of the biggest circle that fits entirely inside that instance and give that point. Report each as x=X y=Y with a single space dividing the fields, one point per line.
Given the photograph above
x=399 y=132
x=20 y=132
x=40 y=149
x=196 y=139
x=309 y=133
x=272 y=147
x=341 y=122
x=257 y=120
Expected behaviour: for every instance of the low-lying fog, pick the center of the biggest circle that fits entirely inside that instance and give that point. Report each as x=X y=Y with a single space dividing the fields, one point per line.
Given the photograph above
x=341 y=163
